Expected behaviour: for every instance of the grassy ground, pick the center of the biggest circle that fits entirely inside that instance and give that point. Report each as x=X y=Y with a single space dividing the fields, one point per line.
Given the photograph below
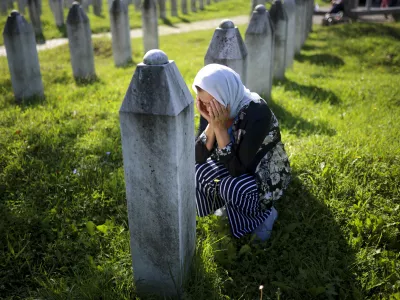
x=224 y=8
x=64 y=232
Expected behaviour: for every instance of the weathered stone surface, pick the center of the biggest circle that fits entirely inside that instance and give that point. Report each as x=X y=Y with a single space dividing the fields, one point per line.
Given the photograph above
x=162 y=9
x=57 y=7
x=150 y=25
x=184 y=7
x=68 y=3
x=80 y=43
x=21 y=6
x=280 y=21
x=259 y=40
x=227 y=48
x=120 y=32
x=300 y=24
x=97 y=7
x=34 y=15
x=290 y=8
x=174 y=8
x=22 y=57
x=254 y=3
x=157 y=121
x=3 y=8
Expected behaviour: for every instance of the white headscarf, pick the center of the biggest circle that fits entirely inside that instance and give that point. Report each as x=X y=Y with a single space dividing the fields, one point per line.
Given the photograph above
x=225 y=86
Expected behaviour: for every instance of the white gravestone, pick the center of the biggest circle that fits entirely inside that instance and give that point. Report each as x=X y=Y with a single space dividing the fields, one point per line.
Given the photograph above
x=184 y=8
x=22 y=57
x=254 y=3
x=280 y=20
x=157 y=130
x=120 y=32
x=97 y=7
x=34 y=15
x=21 y=6
x=290 y=8
x=3 y=7
x=174 y=8
x=300 y=16
x=68 y=3
x=227 y=48
x=80 y=43
x=150 y=25
x=57 y=7
x=162 y=9
x=259 y=40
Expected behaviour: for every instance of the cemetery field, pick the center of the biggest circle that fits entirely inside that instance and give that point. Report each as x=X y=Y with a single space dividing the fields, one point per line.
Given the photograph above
x=63 y=225
x=225 y=8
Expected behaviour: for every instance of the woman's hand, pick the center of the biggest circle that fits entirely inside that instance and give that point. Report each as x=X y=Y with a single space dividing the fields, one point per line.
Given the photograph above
x=202 y=110
x=219 y=115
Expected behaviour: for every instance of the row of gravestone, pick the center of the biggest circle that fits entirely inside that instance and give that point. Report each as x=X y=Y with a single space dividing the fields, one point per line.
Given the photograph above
x=56 y=6
x=158 y=104
x=270 y=44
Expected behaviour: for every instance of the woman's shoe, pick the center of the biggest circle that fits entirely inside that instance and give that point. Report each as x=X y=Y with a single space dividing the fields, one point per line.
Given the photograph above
x=263 y=231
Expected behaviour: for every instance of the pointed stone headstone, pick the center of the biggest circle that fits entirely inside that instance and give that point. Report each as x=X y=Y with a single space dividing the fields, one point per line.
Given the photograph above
x=174 y=8
x=149 y=25
x=57 y=7
x=254 y=3
x=290 y=8
x=120 y=32
x=21 y=6
x=300 y=25
x=34 y=15
x=97 y=7
x=3 y=8
x=184 y=8
x=280 y=20
x=80 y=43
x=259 y=40
x=162 y=9
x=156 y=120
x=227 y=48
x=22 y=57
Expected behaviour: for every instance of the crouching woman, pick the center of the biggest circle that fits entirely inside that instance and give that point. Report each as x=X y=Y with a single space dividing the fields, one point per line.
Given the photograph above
x=241 y=163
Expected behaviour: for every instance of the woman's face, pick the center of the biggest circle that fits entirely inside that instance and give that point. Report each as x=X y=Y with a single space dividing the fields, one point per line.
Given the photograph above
x=205 y=98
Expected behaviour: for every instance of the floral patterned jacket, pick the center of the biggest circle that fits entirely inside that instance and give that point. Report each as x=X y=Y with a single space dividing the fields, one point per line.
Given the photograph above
x=256 y=149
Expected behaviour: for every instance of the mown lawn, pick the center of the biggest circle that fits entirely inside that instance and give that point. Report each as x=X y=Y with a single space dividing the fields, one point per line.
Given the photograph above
x=64 y=232
x=221 y=9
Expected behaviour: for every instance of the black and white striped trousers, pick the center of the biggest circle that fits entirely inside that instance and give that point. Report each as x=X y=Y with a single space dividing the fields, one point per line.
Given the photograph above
x=215 y=188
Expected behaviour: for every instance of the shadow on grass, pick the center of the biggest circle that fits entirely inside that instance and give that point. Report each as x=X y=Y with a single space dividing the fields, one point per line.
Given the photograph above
x=87 y=81
x=168 y=22
x=184 y=20
x=312 y=92
x=307 y=256
x=321 y=59
x=40 y=39
x=63 y=30
x=129 y=65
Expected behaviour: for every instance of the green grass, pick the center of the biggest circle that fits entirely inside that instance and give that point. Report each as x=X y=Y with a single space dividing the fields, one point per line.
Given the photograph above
x=222 y=9
x=64 y=232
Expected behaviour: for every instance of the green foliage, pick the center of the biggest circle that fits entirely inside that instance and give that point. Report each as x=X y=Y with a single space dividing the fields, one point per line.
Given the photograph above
x=64 y=231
